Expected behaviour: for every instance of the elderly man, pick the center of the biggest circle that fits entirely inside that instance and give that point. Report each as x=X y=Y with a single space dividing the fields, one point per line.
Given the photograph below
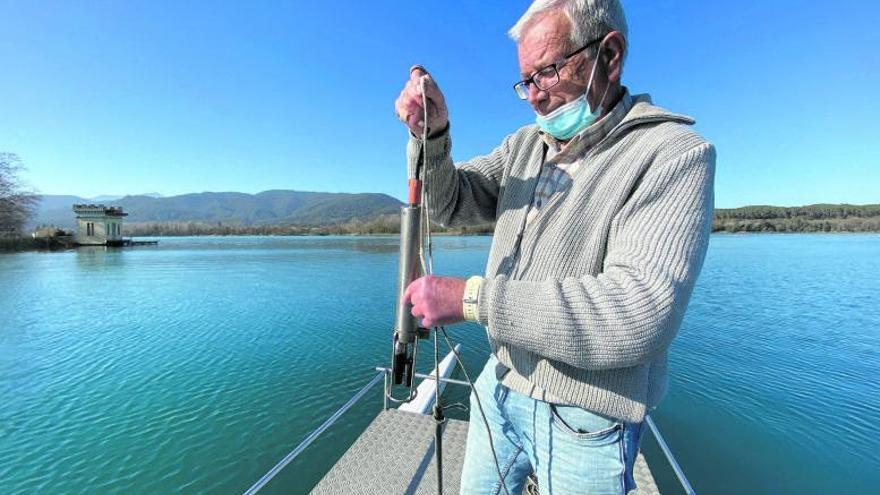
x=603 y=210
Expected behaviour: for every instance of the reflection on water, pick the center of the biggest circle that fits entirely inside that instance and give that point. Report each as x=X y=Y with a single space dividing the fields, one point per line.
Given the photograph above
x=90 y=257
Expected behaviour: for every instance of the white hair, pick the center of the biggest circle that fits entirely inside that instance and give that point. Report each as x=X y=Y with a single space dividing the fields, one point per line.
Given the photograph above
x=589 y=19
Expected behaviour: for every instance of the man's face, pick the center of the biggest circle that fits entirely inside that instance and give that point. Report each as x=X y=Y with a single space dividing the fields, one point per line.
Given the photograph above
x=543 y=42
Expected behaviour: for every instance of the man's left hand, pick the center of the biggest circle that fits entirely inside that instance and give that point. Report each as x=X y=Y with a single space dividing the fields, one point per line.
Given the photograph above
x=436 y=300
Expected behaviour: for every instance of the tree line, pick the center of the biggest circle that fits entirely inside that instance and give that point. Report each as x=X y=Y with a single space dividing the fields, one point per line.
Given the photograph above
x=812 y=218
x=383 y=224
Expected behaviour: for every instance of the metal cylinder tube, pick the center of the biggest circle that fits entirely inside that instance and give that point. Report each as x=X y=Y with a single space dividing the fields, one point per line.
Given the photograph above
x=405 y=324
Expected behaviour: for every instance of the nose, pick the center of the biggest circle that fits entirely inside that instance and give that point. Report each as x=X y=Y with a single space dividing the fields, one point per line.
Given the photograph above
x=536 y=96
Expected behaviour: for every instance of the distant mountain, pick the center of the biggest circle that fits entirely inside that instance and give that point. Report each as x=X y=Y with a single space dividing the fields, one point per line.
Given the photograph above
x=116 y=197
x=56 y=210
x=104 y=199
x=330 y=210
x=277 y=207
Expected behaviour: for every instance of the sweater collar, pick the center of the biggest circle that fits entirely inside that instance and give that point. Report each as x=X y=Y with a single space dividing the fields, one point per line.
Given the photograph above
x=630 y=111
x=643 y=111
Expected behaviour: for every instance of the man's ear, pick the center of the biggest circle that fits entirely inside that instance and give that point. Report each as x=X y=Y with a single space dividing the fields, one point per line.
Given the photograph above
x=613 y=52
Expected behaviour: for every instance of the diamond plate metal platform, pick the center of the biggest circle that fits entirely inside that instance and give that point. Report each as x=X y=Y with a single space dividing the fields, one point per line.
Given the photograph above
x=395 y=455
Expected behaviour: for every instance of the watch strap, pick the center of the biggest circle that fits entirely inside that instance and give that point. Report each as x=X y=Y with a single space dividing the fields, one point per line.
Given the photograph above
x=471 y=298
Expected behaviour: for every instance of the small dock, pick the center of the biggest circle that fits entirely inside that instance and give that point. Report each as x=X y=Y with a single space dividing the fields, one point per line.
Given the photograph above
x=131 y=242
x=119 y=243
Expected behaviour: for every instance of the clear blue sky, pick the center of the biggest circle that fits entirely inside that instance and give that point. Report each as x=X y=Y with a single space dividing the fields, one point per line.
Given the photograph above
x=109 y=97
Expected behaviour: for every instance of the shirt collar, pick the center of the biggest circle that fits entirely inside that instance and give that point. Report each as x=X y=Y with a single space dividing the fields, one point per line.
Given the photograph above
x=596 y=131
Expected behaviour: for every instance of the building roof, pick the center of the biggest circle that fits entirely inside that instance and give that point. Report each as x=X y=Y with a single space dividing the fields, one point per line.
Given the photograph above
x=99 y=209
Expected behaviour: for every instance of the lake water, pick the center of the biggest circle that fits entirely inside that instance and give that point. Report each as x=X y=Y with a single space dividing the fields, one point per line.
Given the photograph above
x=193 y=366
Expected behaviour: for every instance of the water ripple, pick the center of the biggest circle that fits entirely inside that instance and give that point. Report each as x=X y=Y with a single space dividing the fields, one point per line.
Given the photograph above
x=193 y=367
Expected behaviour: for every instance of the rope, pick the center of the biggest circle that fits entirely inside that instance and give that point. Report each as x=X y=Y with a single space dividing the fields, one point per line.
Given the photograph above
x=428 y=268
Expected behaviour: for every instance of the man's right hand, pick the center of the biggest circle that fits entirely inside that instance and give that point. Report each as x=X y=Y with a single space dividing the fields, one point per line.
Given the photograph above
x=409 y=104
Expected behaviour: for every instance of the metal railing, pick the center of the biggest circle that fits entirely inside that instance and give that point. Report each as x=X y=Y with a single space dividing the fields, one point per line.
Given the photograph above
x=383 y=374
x=312 y=436
x=669 y=457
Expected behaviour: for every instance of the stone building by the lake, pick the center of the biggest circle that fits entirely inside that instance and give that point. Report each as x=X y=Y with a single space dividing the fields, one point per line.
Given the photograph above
x=98 y=225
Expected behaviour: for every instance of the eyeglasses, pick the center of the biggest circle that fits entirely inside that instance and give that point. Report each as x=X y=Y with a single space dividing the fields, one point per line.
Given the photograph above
x=548 y=77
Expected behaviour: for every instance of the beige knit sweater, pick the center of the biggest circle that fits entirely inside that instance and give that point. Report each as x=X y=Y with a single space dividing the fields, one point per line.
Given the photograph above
x=583 y=302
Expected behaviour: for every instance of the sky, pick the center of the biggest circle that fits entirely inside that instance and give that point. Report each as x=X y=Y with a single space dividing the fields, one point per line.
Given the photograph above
x=107 y=97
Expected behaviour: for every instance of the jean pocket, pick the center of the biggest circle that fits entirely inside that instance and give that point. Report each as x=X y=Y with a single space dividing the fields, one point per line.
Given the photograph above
x=584 y=425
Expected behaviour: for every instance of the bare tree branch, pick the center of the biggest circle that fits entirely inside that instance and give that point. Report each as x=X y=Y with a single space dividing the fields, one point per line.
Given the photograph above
x=17 y=201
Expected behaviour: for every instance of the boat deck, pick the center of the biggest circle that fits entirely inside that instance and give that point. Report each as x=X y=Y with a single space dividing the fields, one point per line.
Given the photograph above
x=396 y=455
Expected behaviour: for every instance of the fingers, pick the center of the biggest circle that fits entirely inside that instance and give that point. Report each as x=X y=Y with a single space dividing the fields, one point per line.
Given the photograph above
x=416 y=72
x=413 y=297
x=416 y=113
x=413 y=88
x=415 y=122
x=418 y=314
x=410 y=105
x=410 y=289
x=432 y=91
x=413 y=92
x=418 y=290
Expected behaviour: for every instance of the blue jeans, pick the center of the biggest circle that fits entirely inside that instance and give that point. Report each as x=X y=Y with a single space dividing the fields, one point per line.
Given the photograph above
x=569 y=449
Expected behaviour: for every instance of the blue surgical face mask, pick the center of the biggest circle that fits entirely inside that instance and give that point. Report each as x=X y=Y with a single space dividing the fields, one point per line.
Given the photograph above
x=573 y=117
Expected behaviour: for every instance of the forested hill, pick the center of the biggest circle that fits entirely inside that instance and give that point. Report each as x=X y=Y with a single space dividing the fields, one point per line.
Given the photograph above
x=812 y=218
x=282 y=211
x=276 y=207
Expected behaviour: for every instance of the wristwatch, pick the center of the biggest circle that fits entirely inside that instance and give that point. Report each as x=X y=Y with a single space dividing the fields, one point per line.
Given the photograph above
x=471 y=299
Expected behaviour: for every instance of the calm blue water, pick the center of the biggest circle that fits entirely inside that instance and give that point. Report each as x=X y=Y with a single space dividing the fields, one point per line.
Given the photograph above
x=193 y=366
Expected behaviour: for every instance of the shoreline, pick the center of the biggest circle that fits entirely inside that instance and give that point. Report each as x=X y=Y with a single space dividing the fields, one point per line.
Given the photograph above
x=28 y=244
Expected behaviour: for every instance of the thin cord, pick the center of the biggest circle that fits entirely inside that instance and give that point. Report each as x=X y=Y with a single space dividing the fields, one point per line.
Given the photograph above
x=426 y=225
x=480 y=407
x=428 y=268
